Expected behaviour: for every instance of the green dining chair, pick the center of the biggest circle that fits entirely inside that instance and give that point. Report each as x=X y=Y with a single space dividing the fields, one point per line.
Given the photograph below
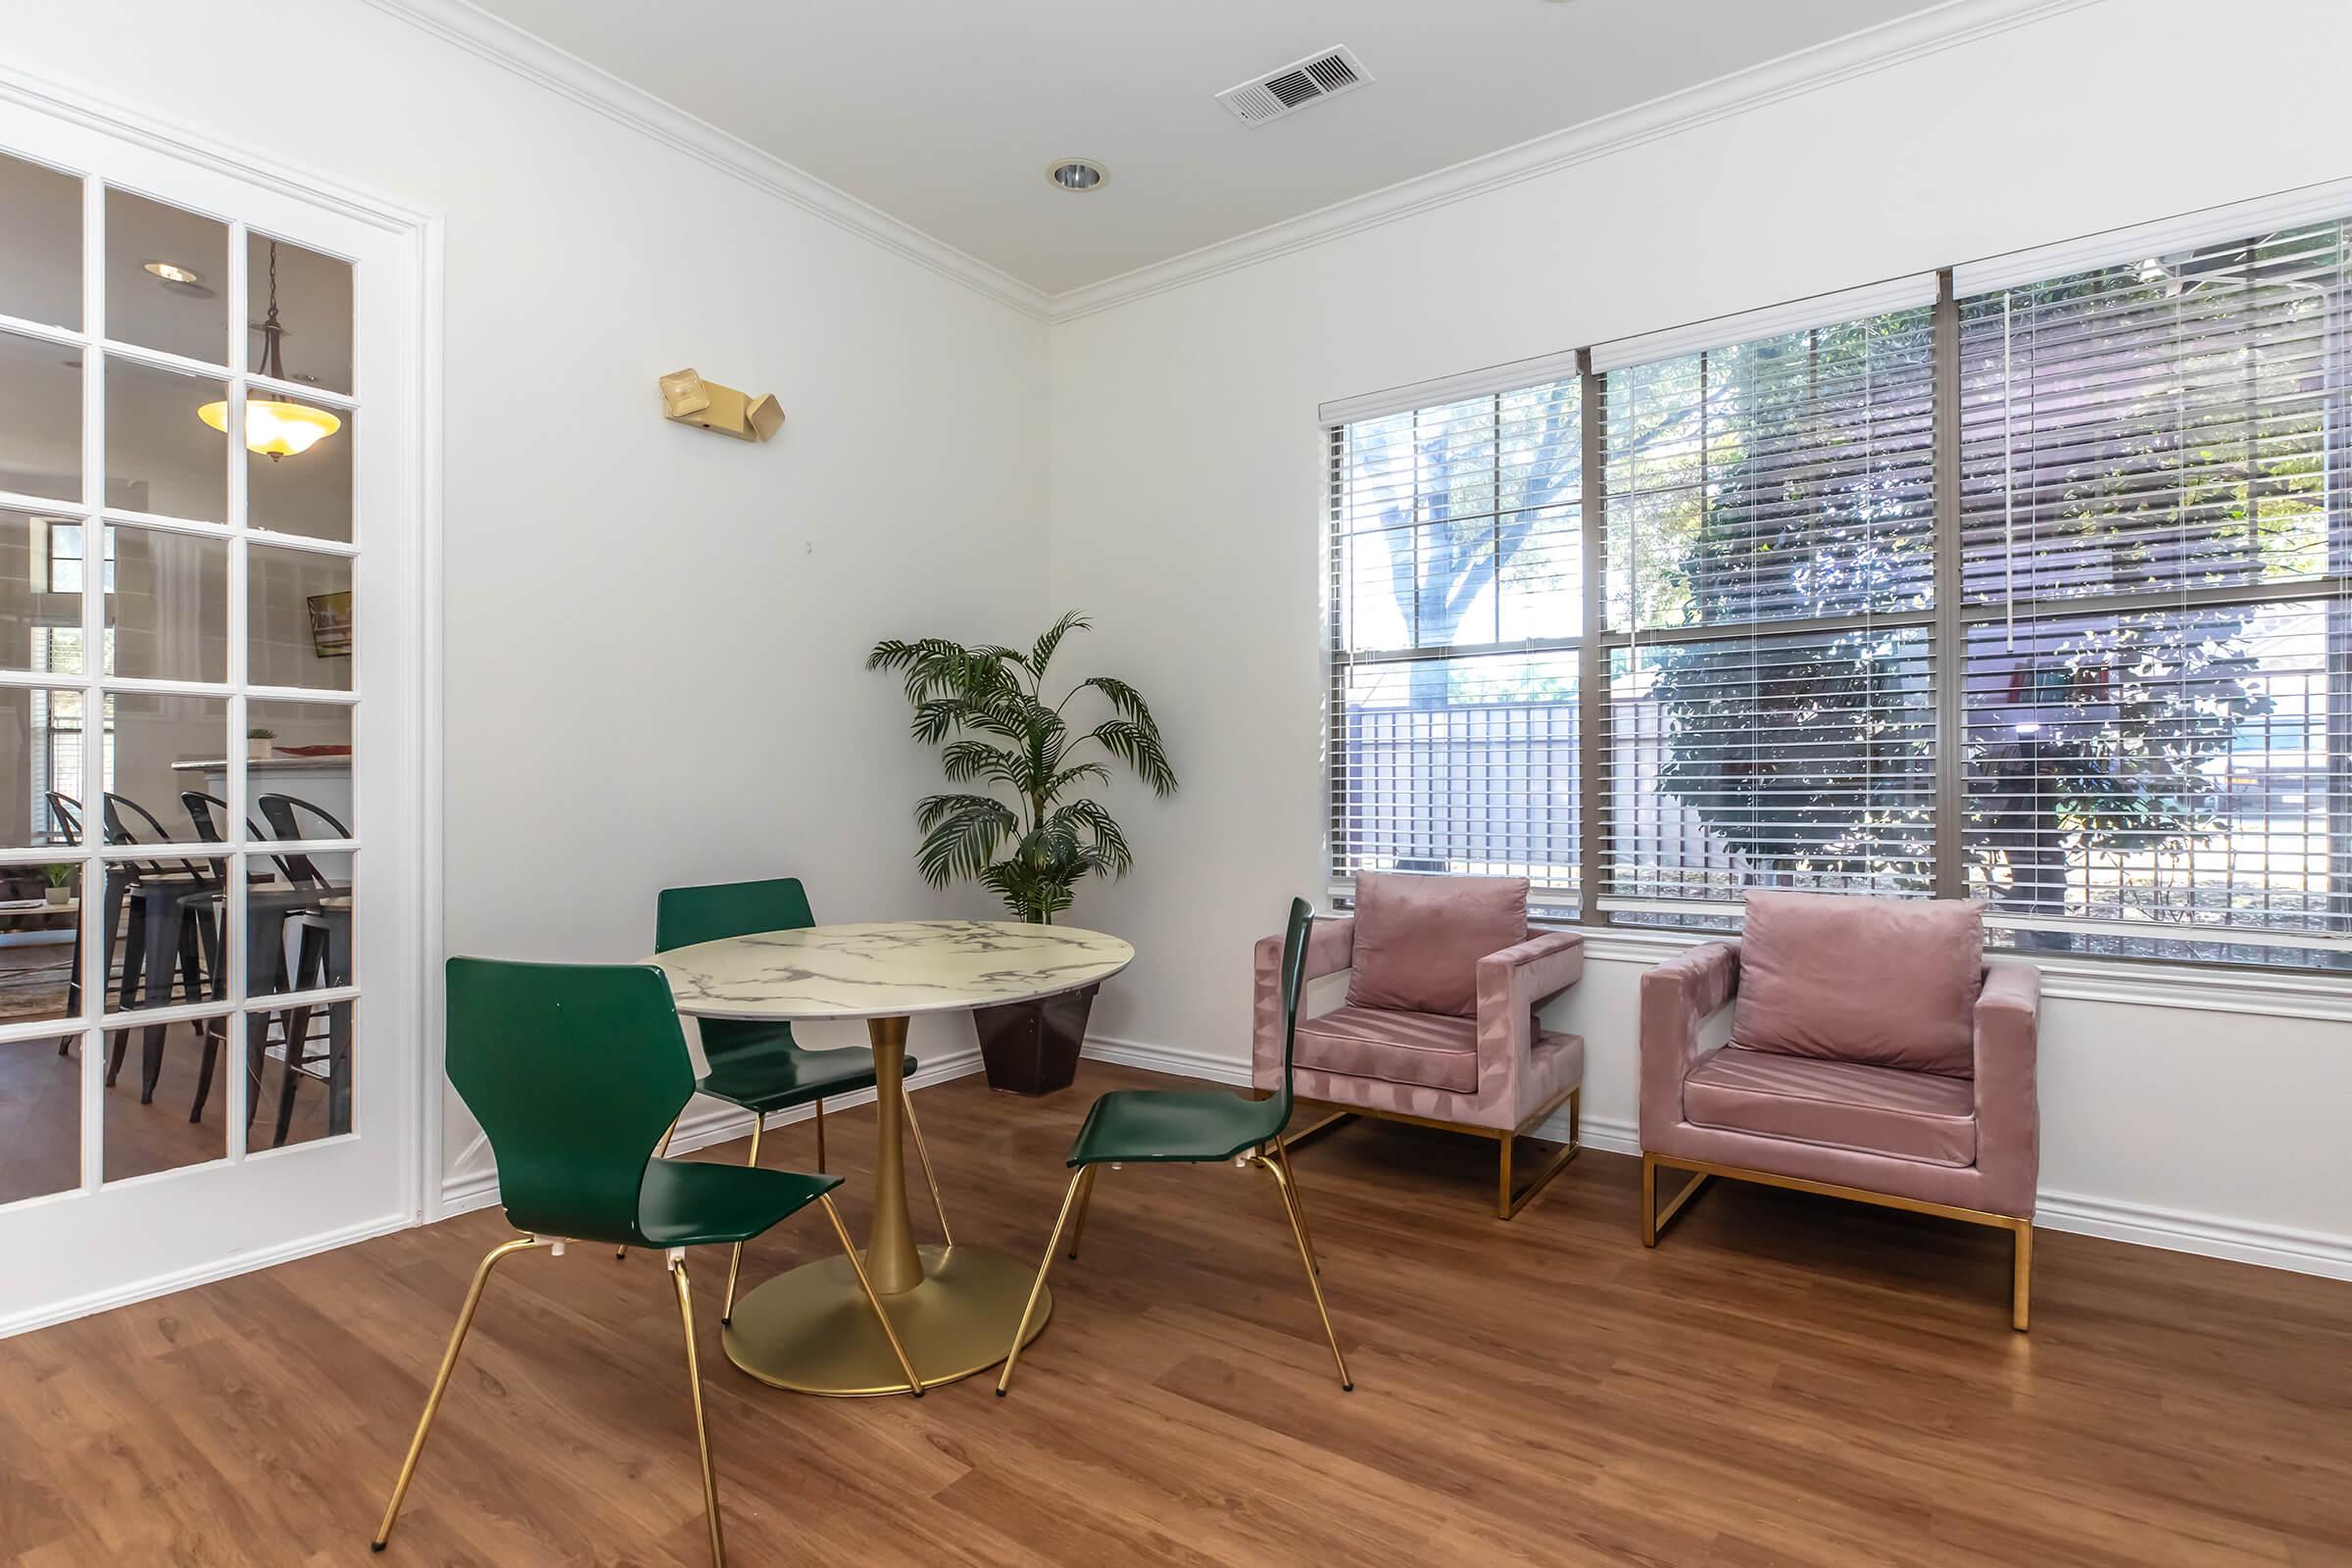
x=1193 y=1127
x=760 y=1066
x=572 y=1071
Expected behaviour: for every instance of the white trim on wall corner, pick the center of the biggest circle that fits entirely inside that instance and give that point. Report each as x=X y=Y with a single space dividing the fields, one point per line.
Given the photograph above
x=1892 y=43
x=713 y=1121
x=534 y=59
x=2140 y=1224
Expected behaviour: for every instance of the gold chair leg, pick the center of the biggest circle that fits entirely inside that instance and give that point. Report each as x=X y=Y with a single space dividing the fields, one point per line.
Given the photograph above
x=922 y=1152
x=820 y=1138
x=1086 y=1201
x=702 y=1429
x=1653 y=1222
x=662 y=1153
x=449 y=1364
x=914 y=1384
x=1299 y=1202
x=726 y=1309
x=2021 y=1277
x=1508 y=1204
x=1045 y=1267
x=1306 y=1260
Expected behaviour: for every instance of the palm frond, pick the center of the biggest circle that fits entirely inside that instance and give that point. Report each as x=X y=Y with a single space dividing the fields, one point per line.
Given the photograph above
x=961 y=833
x=1108 y=850
x=937 y=667
x=1063 y=778
x=1138 y=745
x=966 y=760
x=1043 y=654
x=1125 y=700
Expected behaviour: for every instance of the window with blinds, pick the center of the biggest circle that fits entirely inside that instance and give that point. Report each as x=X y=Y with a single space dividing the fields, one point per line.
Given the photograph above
x=2155 y=557
x=1456 y=599
x=2033 y=585
x=1771 y=545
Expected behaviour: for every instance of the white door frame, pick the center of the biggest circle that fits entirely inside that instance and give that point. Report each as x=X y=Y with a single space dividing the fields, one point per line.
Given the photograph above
x=405 y=613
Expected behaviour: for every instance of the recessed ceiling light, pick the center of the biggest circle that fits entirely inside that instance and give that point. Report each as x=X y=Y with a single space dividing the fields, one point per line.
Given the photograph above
x=173 y=272
x=1080 y=174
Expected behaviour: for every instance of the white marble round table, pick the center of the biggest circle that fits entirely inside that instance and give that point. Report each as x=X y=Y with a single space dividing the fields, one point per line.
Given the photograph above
x=955 y=1307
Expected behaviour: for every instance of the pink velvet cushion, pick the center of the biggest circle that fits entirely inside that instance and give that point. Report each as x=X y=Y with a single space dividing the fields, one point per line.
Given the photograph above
x=1839 y=1104
x=1420 y=1048
x=1418 y=938
x=1891 y=982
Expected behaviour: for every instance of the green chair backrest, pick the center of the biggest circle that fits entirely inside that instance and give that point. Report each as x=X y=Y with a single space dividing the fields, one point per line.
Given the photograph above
x=685 y=917
x=574 y=1070
x=1294 y=981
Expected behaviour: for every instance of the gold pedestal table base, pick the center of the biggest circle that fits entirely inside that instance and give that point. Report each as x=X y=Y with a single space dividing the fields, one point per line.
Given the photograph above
x=810 y=1330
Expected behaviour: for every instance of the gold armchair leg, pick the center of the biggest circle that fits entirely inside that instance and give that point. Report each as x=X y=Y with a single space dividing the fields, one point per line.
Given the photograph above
x=449 y=1364
x=1306 y=1260
x=1086 y=1201
x=1053 y=1242
x=726 y=1309
x=1653 y=1222
x=1335 y=1118
x=702 y=1429
x=2021 y=1277
x=1508 y=1204
x=1298 y=1204
x=914 y=1385
x=820 y=1138
x=922 y=1152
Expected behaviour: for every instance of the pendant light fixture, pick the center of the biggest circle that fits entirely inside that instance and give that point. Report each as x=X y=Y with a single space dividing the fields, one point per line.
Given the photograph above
x=275 y=428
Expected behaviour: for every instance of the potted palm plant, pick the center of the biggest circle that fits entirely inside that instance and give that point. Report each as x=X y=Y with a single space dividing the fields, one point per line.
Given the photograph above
x=986 y=709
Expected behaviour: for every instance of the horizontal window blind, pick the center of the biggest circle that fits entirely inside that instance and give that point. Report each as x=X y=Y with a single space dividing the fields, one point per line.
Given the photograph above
x=2127 y=726
x=2154 y=553
x=1456 y=594
x=1782 y=483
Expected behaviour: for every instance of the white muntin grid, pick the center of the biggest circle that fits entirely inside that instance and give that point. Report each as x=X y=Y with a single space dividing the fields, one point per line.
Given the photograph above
x=96 y=1021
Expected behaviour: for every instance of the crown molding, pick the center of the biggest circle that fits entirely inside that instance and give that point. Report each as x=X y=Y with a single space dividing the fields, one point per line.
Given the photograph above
x=535 y=60
x=1946 y=26
x=1889 y=45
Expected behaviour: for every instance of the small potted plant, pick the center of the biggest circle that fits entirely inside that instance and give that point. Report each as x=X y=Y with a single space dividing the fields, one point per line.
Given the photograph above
x=258 y=747
x=985 y=708
x=61 y=882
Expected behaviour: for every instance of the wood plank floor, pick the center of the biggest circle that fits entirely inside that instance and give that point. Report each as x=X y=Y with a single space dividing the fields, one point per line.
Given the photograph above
x=1787 y=1380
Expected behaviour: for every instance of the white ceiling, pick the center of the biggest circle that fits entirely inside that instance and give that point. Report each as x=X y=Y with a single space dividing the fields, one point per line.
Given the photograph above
x=945 y=114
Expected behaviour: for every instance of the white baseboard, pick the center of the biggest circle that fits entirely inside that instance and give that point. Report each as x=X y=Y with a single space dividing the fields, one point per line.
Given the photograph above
x=2207 y=1235
x=155 y=1285
x=2140 y=1224
x=714 y=1121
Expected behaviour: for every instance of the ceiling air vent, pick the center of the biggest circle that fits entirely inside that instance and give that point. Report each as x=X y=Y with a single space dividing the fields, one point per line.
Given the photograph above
x=1295 y=85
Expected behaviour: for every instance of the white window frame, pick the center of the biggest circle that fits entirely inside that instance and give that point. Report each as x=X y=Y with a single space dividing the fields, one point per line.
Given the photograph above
x=2183 y=981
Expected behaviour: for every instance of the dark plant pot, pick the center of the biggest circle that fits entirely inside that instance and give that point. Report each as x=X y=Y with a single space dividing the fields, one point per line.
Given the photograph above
x=1031 y=1048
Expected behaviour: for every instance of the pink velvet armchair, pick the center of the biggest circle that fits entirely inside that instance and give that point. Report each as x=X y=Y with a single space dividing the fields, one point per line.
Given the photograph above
x=1874 y=1054
x=1438 y=1027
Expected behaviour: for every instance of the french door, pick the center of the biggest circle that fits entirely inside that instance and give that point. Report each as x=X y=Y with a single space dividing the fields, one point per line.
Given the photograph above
x=211 y=716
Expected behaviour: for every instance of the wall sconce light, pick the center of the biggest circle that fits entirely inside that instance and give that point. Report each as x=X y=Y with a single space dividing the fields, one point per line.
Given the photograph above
x=690 y=400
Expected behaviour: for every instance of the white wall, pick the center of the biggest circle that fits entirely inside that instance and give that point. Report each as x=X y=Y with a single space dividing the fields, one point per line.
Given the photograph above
x=1187 y=486
x=655 y=635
